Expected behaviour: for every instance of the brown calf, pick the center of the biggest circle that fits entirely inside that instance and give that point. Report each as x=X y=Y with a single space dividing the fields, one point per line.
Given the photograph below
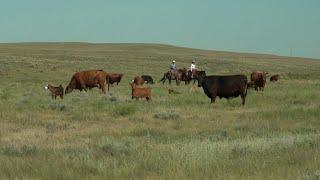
x=138 y=92
x=138 y=80
x=55 y=91
x=114 y=78
x=259 y=78
x=275 y=78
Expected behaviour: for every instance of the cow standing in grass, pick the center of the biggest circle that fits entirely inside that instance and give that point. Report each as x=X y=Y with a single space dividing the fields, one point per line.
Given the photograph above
x=259 y=78
x=113 y=78
x=275 y=78
x=84 y=80
x=139 y=92
x=138 y=80
x=224 y=86
x=55 y=91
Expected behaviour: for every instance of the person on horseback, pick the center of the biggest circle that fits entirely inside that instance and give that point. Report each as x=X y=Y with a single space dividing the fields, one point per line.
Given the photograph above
x=173 y=65
x=193 y=68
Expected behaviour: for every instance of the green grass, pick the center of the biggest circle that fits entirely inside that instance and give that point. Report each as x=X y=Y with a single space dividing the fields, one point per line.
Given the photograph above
x=276 y=135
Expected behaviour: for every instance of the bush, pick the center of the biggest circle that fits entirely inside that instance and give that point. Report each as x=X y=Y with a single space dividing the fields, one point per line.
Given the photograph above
x=124 y=110
x=166 y=115
x=27 y=149
x=114 y=148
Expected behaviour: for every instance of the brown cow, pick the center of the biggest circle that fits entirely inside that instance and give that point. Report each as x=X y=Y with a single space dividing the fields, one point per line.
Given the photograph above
x=114 y=78
x=138 y=80
x=275 y=78
x=138 y=92
x=55 y=91
x=259 y=79
x=87 y=79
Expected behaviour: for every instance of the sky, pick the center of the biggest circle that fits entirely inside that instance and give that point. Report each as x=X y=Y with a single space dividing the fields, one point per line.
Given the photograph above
x=282 y=27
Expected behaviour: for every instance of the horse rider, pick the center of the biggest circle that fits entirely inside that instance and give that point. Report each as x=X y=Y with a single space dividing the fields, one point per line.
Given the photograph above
x=193 y=68
x=173 y=67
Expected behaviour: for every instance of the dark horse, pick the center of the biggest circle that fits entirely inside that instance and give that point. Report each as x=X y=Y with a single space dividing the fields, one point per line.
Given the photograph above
x=178 y=75
x=194 y=75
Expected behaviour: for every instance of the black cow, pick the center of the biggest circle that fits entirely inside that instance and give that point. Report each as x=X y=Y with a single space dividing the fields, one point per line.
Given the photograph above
x=148 y=79
x=224 y=86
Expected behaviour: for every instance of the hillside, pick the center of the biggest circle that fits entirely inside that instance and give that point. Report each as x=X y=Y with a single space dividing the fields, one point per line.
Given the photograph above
x=175 y=136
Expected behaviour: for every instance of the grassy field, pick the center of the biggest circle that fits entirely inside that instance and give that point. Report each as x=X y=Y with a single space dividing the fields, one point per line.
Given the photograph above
x=88 y=135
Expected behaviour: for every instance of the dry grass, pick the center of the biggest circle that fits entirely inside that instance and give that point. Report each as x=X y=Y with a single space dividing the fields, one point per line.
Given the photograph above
x=175 y=136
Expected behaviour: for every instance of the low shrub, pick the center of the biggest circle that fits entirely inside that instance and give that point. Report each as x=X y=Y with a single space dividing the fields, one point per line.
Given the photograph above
x=166 y=115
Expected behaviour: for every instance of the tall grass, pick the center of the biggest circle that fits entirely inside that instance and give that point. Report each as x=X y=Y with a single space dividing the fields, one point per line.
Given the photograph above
x=175 y=136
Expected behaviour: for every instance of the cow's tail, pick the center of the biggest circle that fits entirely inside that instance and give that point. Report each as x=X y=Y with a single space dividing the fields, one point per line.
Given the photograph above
x=163 y=78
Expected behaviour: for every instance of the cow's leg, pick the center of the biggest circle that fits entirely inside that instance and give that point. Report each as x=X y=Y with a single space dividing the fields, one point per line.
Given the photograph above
x=52 y=96
x=243 y=97
x=103 y=88
x=213 y=99
x=169 y=81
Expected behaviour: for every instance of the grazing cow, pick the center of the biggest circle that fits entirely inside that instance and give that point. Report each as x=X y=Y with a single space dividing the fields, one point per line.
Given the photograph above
x=138 y=80
x=114 y=78
x=275 y=78
x=224 y=86
x=84 y=80
x=148 y=79
x=55 y=91
x=139 y=92
x=259 y=78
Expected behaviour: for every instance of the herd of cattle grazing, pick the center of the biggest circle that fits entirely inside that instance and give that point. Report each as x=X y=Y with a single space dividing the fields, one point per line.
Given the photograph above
x=223 y=86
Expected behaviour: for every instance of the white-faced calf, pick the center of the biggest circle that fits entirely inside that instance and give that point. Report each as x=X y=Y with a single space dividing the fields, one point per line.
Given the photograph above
x=139 y=92
x=55 y=91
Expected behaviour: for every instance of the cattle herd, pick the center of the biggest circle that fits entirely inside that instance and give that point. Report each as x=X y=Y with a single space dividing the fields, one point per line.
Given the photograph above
x=223 y=86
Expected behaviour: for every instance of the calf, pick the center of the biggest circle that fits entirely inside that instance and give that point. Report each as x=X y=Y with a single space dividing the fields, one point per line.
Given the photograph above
x=138 y=92
x=138 y=80
x=275 y=78
x=114 y=78
x=55 y=91
x=259 y=78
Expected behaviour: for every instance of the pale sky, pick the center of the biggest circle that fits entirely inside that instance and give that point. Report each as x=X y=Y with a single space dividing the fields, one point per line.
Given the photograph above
x=258 y=26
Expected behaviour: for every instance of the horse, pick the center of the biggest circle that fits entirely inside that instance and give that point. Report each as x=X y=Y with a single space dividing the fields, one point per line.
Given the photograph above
x=178 y=75
x=193 y=75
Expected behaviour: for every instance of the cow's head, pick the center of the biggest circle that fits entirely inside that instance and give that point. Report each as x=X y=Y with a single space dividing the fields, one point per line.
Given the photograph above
x=200 y=79
x=69 y=89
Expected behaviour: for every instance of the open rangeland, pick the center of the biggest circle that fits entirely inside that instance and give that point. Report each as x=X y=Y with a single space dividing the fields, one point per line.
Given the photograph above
x=275 y=135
